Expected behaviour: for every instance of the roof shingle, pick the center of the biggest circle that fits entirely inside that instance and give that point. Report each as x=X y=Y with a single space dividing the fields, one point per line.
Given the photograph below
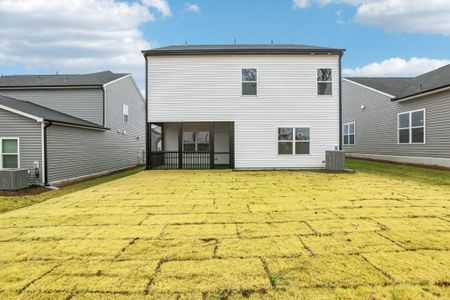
x=45 y=113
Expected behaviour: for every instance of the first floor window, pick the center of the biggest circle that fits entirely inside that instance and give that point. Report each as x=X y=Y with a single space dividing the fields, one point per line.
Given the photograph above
x=125 y=111
x=294 y=140
x=9 y=153
x=196 y=141
x=349 y=133
x=411 y=127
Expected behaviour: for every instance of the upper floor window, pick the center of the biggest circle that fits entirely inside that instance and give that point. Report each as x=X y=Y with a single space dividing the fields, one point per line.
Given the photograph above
x=411 y=127
x=349 y=133
x=125 y=115
x=249 y=82
x=9 y=153
x=324 y=82
x=293 y=140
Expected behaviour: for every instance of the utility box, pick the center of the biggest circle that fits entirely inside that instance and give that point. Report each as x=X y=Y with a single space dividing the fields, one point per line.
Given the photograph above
x=335 y=160
x=14 y=179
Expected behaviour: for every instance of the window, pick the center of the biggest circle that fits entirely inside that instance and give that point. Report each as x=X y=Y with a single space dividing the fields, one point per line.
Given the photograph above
x=293 y=140
x=196 y=141
x=324 y=82
x=9 y=153
x=125 y=113
x=411 y=127
x=349 y=133
x=249 y=82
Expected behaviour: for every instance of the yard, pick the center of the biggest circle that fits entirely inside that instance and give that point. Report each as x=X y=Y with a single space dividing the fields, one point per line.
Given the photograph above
x=382 y=232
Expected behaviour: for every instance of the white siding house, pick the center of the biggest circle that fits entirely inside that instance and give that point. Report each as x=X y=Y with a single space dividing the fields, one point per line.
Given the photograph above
x=261 y=95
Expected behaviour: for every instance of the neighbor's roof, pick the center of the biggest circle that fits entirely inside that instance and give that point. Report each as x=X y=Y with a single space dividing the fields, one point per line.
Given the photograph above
x=405 y=87
x=92 y=79
x=45 y=113
x=241 y=49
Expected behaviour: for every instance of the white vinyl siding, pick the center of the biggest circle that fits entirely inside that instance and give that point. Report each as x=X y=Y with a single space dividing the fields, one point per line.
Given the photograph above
x=208 y=89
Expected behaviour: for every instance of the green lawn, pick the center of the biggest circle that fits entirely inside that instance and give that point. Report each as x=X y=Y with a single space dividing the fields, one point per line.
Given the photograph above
x=380 y=233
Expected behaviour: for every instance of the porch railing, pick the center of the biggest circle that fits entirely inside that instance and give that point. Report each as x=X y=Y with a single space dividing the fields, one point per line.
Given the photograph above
x=170 y=160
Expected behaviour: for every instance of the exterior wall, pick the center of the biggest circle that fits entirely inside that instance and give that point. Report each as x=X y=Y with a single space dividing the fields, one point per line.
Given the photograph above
x=208 y=88
x=85 y=104
x=76 y=152
x=29 y=133
x=376 y=125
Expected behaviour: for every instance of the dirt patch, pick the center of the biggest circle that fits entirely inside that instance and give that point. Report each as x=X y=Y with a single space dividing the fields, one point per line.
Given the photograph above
x=33 y=190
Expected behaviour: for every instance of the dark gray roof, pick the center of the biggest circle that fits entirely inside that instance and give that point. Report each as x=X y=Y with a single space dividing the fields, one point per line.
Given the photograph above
x=45 y=113
x=241 y=49
x=390 y=85
x=408 y=86
x=93 y=79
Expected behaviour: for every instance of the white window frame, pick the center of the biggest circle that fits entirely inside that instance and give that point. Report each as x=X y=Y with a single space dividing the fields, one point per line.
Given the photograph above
x=245 y=81
x=18 y=150
x=196 y=142
x=348 y=133
x=294 y=141
x=412 y=127
x=126 y=108
x=319 y=81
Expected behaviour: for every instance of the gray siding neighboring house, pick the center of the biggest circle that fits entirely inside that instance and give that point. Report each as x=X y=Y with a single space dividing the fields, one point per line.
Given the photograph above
x=375 y=106
x=80 y=124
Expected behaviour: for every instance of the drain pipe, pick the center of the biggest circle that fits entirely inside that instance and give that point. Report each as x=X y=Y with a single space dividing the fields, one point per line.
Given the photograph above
x=45 y=153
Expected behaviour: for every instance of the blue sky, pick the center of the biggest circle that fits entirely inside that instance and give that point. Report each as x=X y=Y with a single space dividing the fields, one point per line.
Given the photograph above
x=382 y=37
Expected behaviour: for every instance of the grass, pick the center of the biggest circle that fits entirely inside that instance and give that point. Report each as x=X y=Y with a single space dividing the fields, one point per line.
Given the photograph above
x=11 y=203
x=380 y=233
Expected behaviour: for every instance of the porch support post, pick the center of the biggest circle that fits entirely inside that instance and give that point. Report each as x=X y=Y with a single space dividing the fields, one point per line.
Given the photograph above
x=232 y=145
x=180 y=145
x=148 y=144
x=211 y=144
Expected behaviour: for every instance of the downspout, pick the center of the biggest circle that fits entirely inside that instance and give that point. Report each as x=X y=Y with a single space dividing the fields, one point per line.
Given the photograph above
x=340 y=101
x=104 y=105
x=45 y=154
x=147 y=138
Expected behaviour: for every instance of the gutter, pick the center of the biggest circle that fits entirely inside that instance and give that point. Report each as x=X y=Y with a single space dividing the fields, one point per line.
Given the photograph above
x=242 y=52
x=45 y=162
x=147 y=138
x=423 y=94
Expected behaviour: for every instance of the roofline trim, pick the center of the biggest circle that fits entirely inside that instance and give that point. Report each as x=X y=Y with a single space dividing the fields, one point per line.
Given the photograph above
x=274 y=51
x=423 y=94
x=370 y=88
x=115 y=80
x=43 y=120
x=21 y=113
x=50 y=87
x=68 y=124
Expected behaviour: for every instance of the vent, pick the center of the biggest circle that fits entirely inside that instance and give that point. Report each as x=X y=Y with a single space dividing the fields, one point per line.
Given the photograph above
x=335 y=161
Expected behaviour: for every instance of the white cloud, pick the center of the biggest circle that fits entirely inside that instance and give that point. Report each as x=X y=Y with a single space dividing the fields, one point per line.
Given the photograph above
x=418 y=16
x=397 y=67
x=194 y=8
x=76 y=36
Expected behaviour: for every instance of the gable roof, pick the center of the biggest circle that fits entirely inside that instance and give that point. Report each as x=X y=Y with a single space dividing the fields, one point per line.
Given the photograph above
x=405 y=87
x=241 y=49
x=92 y=80
x=46 y=114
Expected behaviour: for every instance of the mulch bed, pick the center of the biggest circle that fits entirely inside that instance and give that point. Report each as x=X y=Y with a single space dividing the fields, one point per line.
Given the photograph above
x=33 y=190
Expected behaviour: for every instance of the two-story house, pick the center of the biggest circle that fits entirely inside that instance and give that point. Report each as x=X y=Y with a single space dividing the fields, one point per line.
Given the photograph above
x=242 y=106
x=64 y=127
x=400 y=119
